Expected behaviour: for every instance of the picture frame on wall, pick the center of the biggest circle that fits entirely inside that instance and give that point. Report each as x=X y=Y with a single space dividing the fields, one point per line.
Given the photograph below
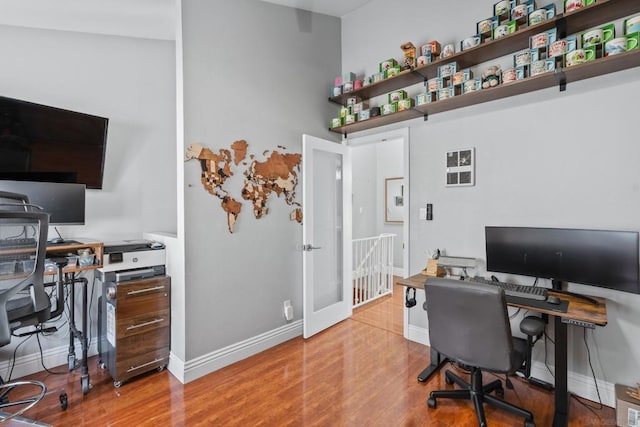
x=393 y=200
x=460 y=167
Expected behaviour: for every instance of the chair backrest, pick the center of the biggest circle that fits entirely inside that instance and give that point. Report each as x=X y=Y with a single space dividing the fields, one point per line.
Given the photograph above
x=23 y=237
x=10 y=201
x=469 y=323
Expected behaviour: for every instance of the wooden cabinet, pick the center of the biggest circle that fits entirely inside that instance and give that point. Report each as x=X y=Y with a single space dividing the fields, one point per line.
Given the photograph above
x=135 y=327
x=599 y=13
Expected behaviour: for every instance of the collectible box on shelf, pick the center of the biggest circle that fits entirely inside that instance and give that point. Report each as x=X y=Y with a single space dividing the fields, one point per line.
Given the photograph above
x=505 y=29
x=390 y=108
x=364 y=115
x=386 y=64
x=521 y=11
x=573 y=5
x=350 y=119
x=543 y=40
x=472 y=85
x=404 y=104
x=461 y=77
x=434 y=84
x=392 y=72
x=543 y=14
x=396 y=95
x=409 y=50
x=447 y=70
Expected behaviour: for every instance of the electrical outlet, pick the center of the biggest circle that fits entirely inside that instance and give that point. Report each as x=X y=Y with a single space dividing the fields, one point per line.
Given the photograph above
x=288 y=310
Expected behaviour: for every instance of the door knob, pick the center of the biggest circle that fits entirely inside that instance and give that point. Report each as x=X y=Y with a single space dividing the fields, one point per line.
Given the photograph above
x=309 y=247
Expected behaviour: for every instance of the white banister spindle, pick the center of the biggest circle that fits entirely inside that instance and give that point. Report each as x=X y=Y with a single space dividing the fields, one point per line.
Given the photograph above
x=373 y=273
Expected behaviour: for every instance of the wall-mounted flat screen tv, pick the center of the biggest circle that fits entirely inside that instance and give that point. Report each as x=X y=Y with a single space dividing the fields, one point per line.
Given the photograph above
x=48 y=144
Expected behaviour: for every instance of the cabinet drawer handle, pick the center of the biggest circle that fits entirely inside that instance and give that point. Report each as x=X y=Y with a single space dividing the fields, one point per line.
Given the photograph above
x=141 y=325
x=140 y=291
x=135 y=368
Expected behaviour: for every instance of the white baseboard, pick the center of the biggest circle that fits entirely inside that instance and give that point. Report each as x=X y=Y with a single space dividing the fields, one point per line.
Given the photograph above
x=52 y=357
x=578 y=384
x=418 y=334
x=176 y=367
x=203 y=365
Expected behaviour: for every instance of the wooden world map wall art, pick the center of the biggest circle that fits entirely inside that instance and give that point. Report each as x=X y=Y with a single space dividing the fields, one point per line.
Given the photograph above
x=278 y=174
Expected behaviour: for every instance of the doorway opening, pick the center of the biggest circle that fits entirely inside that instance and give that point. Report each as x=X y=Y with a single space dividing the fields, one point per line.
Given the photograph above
x=380 y=207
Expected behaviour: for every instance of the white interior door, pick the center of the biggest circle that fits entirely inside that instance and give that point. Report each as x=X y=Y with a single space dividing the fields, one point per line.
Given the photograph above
x=326 y=234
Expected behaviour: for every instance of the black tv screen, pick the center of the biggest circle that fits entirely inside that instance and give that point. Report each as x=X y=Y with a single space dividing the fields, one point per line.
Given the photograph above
x=42 y=143
x=592 y=257
x=64 y=202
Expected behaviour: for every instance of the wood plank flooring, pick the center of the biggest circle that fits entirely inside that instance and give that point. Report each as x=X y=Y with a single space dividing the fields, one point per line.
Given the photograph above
x=353 y=374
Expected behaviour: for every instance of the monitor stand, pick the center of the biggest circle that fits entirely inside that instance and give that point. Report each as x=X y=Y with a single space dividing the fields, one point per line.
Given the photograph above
x=558 y=287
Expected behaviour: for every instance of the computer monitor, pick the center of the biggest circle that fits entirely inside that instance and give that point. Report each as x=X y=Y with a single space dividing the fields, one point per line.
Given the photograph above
x=592 y=257
x=65 y=203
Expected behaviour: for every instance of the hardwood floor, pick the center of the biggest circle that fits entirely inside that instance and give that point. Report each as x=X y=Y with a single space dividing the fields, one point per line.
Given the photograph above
x=353 y=374
x=384 y=313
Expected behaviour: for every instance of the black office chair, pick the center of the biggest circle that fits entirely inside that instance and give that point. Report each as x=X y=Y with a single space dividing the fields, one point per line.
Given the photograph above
x=469 y=324
x=23 y=300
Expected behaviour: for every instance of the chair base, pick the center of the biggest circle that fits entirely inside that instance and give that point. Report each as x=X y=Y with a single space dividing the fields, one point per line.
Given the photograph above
x=479 y=394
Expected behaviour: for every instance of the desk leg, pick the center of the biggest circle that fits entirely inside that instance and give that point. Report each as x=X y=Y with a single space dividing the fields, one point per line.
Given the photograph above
x=71 y=357
x=84 y=339
x=436 y=362
x=561 y=415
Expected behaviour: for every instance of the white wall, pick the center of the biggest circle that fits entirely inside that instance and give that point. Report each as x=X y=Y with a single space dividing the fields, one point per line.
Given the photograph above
x=132 y=82
x=390 y=164
x=365 y=191
x=543 y=159
x=262 y=73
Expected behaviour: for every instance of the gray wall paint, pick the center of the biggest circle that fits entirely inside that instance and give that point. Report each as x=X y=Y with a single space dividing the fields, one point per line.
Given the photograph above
x=262 y=73
x=543 y=159
x=132 y=82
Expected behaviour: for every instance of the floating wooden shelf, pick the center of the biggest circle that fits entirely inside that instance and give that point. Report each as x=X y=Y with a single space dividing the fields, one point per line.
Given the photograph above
x=595 y=15
x=378 y=121
x=485 y=95
x=404 y=79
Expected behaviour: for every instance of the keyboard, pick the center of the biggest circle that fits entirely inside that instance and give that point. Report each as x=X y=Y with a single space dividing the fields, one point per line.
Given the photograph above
x=511 y=289
x=26 y=242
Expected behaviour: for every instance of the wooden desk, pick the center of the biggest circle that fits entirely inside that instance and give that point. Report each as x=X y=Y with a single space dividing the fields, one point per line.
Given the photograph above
x=577 y=310
x=64 y=249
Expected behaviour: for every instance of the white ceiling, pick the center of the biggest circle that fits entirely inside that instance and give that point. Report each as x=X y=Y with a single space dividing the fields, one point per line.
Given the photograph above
x=337 y=8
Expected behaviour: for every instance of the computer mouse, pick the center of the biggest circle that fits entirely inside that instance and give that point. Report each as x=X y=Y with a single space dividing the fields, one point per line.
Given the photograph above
x=551 y=299
x=56 y=240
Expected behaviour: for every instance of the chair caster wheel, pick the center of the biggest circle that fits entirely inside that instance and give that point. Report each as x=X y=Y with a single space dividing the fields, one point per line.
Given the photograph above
x=529 y=424
x=500 y=392
x=117 y=384
x=86 y=386
x=431 y=402
x=448 y=380
x=64 y=402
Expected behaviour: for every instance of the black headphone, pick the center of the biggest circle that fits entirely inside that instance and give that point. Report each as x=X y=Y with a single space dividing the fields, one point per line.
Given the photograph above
x=410 y=301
